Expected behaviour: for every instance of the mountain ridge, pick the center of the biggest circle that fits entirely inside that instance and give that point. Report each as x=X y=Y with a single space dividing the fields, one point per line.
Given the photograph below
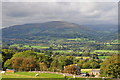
x=49 y=30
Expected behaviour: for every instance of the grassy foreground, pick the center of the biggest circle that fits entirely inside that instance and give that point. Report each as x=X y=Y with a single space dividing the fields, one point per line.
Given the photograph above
x=30 y=75
x=43 y=76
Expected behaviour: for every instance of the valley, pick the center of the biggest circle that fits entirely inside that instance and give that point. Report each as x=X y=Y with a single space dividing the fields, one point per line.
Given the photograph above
x=51 y=46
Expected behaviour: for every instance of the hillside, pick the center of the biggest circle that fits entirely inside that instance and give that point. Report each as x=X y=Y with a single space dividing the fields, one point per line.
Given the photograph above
x=52 y=30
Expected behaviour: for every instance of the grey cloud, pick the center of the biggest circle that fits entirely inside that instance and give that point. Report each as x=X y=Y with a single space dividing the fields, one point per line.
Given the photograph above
x=60 y=0
x=81 y=13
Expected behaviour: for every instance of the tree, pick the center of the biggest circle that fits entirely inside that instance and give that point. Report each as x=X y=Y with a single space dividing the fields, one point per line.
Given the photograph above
x=21 y=64
x=25 y=54
x=80 y=63
x=94 y=65
x=43 y=66
x=24 y=64
x=64 y=60
x=45 y=58
x=29 y=64
x=111 y=65
x=86 y=65
x=114 y=70
x=16 y=63
x=8 y=64
x=54 y=65
x=6 y=54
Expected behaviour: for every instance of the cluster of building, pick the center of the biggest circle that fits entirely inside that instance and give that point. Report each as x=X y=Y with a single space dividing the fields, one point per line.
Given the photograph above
x=75 y=69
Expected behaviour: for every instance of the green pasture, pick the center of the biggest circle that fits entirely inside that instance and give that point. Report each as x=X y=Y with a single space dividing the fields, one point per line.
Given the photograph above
x=87 y=70
x=103 y=57
x=83 y=57
x=55 y=79
x=62 y=51
x=92 y=41
x=81 y=39
x=14 y=45
x=29 y=46
x=111 y=51
x=31 y=75
x=42 y=76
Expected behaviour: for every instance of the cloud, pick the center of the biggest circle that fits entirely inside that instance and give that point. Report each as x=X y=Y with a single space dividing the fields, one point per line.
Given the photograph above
x=60 y=0
x=15 y=13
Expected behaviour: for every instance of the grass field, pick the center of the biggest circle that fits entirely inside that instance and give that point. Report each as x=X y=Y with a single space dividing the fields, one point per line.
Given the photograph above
x=28 y=46
x=42 y=76
x=43 y=47
x=87 y=70
x=74 y=39
x=54 y=79
x=83 y=57
x=113 y=51
x=103 y=57
x=63 y=51
x=31 y=75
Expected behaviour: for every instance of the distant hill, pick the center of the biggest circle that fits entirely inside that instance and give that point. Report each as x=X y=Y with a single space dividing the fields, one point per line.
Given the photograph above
x=53 y=29
x=104 y=27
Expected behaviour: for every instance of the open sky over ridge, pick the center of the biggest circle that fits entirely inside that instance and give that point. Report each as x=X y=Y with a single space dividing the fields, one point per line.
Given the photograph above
x=95 y=13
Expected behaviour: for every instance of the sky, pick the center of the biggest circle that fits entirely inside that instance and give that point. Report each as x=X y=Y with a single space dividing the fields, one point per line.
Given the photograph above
x=83 y=13
x=60 y=0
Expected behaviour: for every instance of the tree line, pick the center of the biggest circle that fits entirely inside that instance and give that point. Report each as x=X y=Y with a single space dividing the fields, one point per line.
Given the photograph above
x=34 y=61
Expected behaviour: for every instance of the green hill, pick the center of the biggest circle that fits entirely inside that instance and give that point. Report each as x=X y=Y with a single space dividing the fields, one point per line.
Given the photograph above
x=51 y=31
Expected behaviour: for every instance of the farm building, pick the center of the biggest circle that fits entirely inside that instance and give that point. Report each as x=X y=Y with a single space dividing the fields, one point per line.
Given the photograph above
x=95 y=72
x=72 y=69
x=10 y=70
